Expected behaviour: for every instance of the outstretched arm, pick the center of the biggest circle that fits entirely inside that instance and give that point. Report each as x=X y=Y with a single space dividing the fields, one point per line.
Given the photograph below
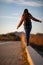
x=20 y=23
x=33 y=18
x=36 y=19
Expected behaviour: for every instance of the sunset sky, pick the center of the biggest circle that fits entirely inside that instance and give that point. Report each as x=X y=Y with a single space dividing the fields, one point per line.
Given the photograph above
x=12 y=10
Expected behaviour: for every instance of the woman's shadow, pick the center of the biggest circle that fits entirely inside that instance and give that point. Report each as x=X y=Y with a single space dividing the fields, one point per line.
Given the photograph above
x=39 y=49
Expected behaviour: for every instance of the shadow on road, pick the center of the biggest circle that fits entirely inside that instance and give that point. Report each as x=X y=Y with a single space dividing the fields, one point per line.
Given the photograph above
x=39 y=49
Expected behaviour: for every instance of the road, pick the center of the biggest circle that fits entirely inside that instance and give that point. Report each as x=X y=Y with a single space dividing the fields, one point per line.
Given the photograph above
x=11 y=54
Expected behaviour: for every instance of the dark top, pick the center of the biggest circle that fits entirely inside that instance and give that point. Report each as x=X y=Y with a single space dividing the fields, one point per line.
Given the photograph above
x=27 y=22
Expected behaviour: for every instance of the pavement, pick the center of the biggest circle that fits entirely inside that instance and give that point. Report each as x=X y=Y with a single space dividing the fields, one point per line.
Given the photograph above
x=11 y=54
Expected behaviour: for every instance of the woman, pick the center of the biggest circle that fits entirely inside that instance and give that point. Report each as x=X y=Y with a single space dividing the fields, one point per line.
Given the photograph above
x=26 y=18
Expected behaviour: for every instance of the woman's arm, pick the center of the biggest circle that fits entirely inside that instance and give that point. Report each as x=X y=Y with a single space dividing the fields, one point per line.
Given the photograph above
x=20 y=23
x=34 y=19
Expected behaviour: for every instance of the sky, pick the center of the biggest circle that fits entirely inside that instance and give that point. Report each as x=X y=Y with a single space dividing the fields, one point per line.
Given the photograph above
x=12 y=10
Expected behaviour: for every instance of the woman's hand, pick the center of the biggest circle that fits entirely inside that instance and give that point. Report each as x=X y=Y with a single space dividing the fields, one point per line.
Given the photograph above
x=40 y=21
x=17 y=27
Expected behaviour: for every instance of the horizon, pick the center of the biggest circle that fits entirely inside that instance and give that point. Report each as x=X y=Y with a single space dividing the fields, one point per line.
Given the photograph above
x=11 y=12
x=19 y=32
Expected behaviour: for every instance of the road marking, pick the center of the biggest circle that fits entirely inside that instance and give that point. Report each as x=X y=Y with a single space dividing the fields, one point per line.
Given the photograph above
x=25 y=51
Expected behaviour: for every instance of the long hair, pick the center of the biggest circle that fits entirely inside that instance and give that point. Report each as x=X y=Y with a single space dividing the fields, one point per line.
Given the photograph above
x=25 y=13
